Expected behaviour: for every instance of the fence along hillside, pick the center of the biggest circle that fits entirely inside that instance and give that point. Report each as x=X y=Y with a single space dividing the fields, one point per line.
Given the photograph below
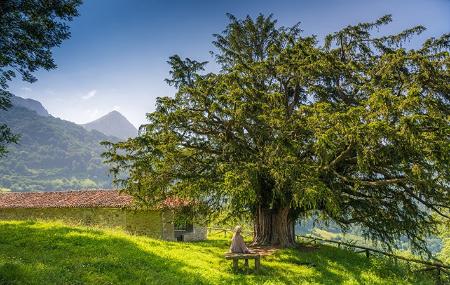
x=437 y=266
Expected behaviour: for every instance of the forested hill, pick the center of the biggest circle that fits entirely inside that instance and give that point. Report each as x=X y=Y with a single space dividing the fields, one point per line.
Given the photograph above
x=52 y=154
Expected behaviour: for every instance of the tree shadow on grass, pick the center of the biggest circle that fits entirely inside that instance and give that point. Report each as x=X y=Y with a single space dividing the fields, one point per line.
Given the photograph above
x=66 y=255
x=36 y=253
x=330 y=265
x=327 y=265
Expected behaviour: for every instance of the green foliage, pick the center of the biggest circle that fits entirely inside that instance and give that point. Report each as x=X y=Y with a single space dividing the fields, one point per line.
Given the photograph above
x=183 y=217
x=356 y=130
x=53 y=154
x=6 y=136
x=444 y=228
x=29 y=29
x=80 y=255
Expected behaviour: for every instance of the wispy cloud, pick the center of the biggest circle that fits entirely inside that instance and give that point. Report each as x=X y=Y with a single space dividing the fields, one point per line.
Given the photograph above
x=27 y=89
x=89 y=95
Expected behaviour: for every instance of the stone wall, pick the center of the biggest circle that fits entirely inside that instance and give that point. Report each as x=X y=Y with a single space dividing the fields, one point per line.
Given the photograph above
x=167 y=225
x=150 y=223
x=157 y=224
x=198 y=233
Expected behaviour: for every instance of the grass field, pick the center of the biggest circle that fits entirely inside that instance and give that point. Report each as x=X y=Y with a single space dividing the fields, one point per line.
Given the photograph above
x=55 y=253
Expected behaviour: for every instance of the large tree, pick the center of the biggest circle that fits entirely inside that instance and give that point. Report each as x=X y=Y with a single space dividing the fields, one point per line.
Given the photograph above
x=354 y=129
x=29 y=29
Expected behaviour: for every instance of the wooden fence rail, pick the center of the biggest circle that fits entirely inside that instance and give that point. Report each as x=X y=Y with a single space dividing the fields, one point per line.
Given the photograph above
x=438 y=266
x=369 y=249
x=225 y=231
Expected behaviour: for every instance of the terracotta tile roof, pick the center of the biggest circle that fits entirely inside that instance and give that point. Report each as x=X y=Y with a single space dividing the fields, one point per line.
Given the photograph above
x=66 y=199
x=105 y=198
x=173 y=203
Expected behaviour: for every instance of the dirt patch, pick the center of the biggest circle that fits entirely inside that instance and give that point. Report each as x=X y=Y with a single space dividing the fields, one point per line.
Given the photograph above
x=269 y=250
x=264 y=250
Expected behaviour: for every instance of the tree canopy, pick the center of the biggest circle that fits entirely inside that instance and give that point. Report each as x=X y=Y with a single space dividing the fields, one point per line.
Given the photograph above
x=354 y=128
x=29 y=29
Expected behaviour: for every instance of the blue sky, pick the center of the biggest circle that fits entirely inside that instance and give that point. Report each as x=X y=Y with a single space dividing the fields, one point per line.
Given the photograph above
x=116 y=57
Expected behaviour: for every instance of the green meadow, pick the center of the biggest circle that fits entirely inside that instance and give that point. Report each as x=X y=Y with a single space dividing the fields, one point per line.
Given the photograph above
x=38 y=252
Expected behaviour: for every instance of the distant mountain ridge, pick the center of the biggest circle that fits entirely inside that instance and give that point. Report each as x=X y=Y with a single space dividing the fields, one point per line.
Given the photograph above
x=52 y=154
x=113 y=124
x=30 y=104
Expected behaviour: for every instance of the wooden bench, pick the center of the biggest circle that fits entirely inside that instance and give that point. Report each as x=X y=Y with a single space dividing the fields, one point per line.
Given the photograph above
x=246 y=256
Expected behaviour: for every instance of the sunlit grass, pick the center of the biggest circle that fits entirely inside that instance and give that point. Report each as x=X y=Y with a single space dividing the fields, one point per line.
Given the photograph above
x=55 y=253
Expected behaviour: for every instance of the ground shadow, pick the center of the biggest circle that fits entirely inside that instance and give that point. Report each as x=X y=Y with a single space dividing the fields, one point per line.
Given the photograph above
x=330 y=265
x=36 y=253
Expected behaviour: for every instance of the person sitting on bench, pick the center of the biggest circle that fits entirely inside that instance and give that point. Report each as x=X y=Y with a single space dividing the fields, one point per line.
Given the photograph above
x=237 y=242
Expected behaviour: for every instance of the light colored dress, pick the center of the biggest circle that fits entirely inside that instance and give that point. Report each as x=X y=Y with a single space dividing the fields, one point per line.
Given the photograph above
x=238 y=244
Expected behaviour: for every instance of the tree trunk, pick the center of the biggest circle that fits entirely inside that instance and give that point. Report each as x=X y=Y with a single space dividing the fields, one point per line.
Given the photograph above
x=262 y=234
x=274 y=227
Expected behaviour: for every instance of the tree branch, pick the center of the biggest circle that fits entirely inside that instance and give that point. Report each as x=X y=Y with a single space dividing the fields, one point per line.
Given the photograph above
x=341 y=156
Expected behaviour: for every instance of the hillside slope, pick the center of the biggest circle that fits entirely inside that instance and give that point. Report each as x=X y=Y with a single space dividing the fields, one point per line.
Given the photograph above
x=52 y=154
x=79 y=255
x=113 y=124
x=29 y=104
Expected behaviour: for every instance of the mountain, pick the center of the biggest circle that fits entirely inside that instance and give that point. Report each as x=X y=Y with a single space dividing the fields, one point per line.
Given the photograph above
x=113 y=124
x=52 y=154
x=29 y=104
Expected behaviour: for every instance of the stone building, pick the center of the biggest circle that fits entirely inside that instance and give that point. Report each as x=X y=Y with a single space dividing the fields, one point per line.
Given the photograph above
x=103 y=208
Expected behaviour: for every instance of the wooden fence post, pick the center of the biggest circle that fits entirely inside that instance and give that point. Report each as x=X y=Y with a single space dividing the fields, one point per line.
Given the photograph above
x=439 y=267
x=438 y=276
x=235 y=264
x=257 y=263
